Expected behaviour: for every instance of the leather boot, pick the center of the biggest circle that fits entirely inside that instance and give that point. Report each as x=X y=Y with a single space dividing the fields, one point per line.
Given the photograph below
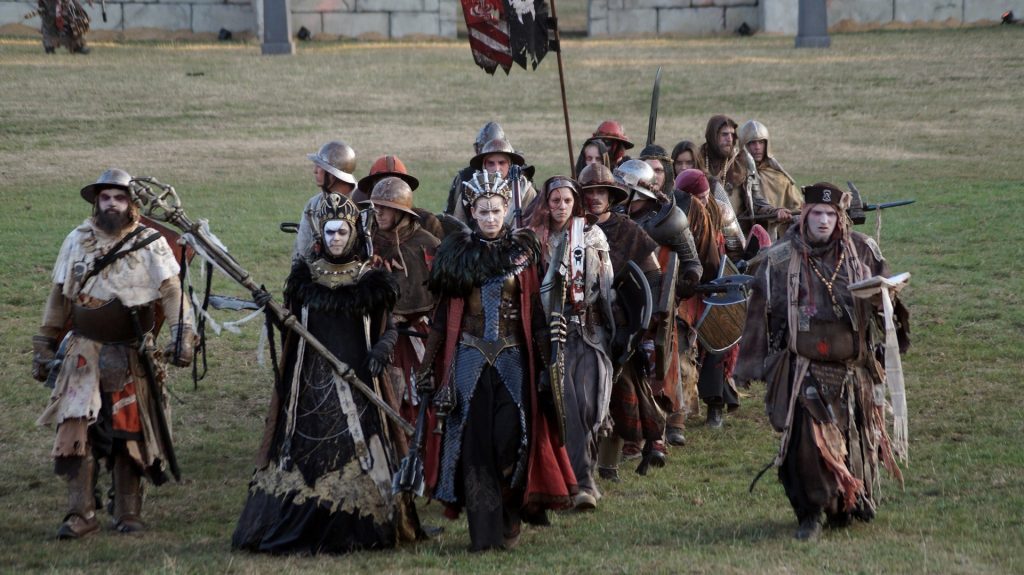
x=127 y=496
x=809 y=529
x=716 y=419
x=80 y=520
x=608 y=450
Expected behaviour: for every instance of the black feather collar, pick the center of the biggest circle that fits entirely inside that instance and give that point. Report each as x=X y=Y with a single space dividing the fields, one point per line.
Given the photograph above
x=375 y=292
x=466 y=260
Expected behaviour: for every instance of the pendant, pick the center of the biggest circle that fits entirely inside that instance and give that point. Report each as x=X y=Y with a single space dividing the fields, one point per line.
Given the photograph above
x=838 y=310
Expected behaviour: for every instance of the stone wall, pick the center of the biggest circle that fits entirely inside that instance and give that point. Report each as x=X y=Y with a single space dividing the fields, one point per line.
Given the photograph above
x=336 y=18
x=780 y=16
x=705 y=17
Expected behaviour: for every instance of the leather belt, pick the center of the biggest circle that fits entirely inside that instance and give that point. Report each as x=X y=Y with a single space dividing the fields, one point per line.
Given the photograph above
x=111 y=322
x=490 y=349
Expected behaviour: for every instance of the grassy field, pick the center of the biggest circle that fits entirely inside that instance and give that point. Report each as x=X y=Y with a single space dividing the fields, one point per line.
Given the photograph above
x=928 y=115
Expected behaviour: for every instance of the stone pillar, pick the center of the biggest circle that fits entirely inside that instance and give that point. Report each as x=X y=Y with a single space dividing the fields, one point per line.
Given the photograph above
x=277 y=27
x=812 y=25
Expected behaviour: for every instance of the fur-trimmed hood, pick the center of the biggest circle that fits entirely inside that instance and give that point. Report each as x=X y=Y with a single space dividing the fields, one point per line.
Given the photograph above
x=466 y=260
x=374 y=293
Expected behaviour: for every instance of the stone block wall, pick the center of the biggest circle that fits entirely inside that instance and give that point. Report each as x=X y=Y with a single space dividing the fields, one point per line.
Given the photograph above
x=780 y=16
x=687 y=17
x=336 y=18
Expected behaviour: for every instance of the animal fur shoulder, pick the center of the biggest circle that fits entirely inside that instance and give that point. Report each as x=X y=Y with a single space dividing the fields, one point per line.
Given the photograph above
x=465 y=260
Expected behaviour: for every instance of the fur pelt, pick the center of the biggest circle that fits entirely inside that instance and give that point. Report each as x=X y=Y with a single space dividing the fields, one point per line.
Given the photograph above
x=374 y=293
x=465 y=260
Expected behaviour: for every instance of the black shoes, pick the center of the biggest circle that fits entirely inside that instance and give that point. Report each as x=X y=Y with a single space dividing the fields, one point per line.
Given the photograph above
x=716 y=419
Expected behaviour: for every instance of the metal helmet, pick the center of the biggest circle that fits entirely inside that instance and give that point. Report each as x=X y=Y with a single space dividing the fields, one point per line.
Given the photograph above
x=392 y=192
x=752 y=130
x=383 y=167
x=335 y=207
x=112 y=178
x=496 y=146
x=338 y=159
x=598 y=176
x=638 y=176
x=612 y=130
x=490 y=131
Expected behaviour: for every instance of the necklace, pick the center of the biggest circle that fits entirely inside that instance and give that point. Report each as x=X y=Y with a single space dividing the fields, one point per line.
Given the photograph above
x=829 y=282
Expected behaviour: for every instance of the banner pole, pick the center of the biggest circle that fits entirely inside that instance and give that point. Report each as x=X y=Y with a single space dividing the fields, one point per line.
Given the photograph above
x=561 y=85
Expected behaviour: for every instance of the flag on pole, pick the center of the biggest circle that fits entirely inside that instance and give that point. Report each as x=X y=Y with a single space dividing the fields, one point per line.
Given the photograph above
x=505 y=31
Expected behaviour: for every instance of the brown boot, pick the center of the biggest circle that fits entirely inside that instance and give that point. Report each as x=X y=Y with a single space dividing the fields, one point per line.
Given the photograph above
x=80 y=520
x=127 y=496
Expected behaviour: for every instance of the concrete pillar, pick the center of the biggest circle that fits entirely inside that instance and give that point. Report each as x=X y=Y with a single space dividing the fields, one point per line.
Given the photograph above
x=812 y=25
x=277 y=27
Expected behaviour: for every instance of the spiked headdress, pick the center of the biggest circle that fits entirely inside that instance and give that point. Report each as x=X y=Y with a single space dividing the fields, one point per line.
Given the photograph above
x=484 y=184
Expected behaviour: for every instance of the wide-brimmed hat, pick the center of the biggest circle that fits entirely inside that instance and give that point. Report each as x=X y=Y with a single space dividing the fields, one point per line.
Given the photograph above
x=598 y=176
x=392 y=192
x=337 y=159
x=612 y=130
x=112 y=178
x=496 y=146
x=387 y=166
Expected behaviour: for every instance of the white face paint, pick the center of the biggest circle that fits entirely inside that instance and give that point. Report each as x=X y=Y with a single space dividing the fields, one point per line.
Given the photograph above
x=821 y=221
x=337 y=237
x=489 y=213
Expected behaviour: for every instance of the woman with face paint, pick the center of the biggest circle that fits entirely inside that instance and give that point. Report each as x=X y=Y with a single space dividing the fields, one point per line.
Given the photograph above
x=323 y=483
x=586 y=307
x=494 y=454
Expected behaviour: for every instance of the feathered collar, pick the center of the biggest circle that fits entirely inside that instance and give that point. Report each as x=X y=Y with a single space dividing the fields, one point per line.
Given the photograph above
x=466 y=260
x=374 y=292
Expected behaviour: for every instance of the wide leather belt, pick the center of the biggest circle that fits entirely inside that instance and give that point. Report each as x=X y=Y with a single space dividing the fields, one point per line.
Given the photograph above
x=490 y=349
x=111 y=322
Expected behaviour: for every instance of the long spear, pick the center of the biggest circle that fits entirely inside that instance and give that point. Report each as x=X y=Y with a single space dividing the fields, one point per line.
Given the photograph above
x=561 y=84
x=165 y=206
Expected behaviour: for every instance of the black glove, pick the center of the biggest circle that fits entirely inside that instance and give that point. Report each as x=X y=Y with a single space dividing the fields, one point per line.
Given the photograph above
x=261 y=297
x=44 y=350
x=688 y=284
x=378 y=359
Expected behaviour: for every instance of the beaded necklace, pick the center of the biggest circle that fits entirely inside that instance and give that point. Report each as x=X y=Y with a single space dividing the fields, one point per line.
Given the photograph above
x=829 y=282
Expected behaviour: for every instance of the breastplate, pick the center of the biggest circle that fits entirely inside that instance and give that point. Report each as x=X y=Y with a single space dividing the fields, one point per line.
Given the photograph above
x=492 y=309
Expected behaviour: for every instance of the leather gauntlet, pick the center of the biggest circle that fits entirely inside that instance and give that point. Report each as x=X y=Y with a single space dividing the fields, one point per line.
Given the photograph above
x=181 y=354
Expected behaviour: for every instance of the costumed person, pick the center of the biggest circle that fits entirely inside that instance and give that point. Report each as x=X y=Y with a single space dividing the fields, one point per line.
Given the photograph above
x=593 y=151
x=113 y=282
x=575 y=256
x=732 y=167
x=709 y=377
x=324 y=468
x=333 y=167
x=489 y=131
x=495 y=454
x=777 y=186
x=635 y=415
x=392 y=166
x=686 y=156
x=816 y=344
x=403 y=248
x=664 y=173
x=498 y=156
x=614 y=137
x=64 y=23
x=658 y=215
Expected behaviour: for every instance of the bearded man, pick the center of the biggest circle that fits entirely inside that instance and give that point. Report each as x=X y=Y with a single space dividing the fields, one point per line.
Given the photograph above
x=333 y=167
x=402 y=247
x=731 y=166
x=814 y=342
x=113 y=278
x=777 y=186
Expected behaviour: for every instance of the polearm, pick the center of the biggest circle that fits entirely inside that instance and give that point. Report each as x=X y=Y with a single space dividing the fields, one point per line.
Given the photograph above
x=561 y=84
x=165 y=206
x=866 y=208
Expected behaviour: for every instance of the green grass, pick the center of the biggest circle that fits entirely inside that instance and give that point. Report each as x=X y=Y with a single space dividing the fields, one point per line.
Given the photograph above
x=928 y=115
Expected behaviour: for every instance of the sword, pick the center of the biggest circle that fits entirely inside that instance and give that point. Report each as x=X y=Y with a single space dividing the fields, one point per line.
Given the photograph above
x=162 y=428
x=652 y=121
x=517 y=195
x=54 y=364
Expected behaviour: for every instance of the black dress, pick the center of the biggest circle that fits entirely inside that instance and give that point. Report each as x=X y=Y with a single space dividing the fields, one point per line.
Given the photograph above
x=324 y=484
